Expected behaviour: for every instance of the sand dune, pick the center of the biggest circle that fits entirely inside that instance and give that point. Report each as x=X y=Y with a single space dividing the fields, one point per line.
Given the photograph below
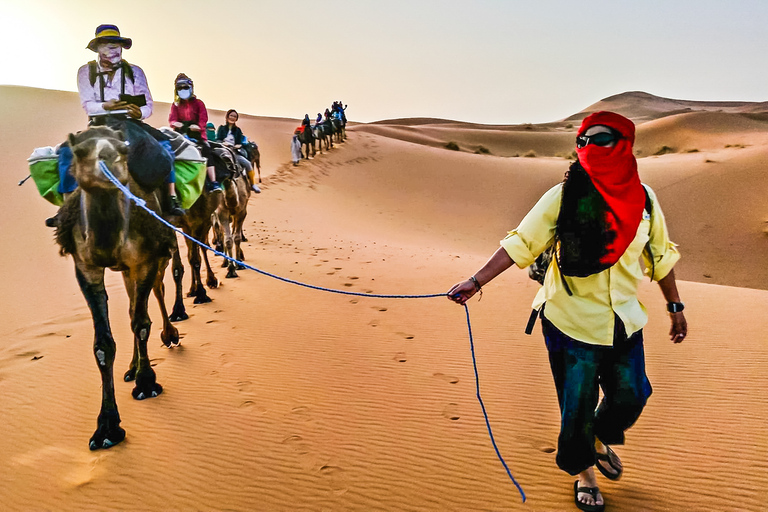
x=286 y=398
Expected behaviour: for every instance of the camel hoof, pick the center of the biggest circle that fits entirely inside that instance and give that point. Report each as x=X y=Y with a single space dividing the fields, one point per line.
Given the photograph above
x=152 y=391
x=105 y=438
x=212 y=283
x=232 y=274
x=178 y=316
x=130 y=375
x=203 y=299
x=240 y=267
x=171 y=339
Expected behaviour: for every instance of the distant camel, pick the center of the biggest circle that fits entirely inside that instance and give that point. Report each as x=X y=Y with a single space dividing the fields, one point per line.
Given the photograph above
x=228 y=221
x=307 y=138
x=321 y=137
x=101 y=229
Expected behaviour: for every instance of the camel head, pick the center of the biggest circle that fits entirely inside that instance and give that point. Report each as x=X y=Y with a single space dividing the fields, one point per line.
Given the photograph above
x=93 y=145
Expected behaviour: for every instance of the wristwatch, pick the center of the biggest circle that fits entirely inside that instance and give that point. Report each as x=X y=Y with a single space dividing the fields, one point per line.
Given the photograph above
x=675 y=307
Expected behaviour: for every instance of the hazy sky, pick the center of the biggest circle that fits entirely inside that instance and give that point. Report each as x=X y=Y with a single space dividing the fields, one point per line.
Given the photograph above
x=489 y=61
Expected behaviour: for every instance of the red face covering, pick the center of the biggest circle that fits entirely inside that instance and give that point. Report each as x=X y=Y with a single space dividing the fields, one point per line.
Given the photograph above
x=613 y=171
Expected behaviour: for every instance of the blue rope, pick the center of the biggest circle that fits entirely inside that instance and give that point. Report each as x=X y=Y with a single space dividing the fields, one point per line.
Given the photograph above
x=482 y=405
x=143 y=205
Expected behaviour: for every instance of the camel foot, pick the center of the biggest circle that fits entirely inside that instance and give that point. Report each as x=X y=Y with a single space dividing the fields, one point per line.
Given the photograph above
x=147 y=391
x=202 y=299
x=212 y=283
x=242 y=237
x=108 y=434
x=225 y=263
x=178 y=314
x=232 y=273
x=240 y=267
x=130 y=375
x=170 y=339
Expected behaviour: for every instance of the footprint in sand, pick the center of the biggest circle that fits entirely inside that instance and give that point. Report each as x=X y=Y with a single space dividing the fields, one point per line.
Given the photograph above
x=336 y=478
x=547 y=449
x=354 y=301
x=302 y=412
x=253 y=406
x=373 y=323
x=405 y=335
x=244 y=386
x=379 y=308
x=298 y=444
x=400 y=357
x=447 y=378
x=155 y=361
x=451 y=411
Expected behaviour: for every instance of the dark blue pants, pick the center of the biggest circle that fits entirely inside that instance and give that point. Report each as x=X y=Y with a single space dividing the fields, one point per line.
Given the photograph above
x=580 y=370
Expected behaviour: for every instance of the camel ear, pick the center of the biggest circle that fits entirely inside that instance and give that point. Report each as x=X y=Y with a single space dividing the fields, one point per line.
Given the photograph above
x=72 y=142
x=80 y=152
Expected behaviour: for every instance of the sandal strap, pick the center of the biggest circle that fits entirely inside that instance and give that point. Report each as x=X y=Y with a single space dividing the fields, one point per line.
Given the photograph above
x=589 y=490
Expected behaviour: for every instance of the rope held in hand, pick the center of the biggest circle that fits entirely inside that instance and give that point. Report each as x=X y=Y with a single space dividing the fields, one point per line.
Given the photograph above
x=143 y=205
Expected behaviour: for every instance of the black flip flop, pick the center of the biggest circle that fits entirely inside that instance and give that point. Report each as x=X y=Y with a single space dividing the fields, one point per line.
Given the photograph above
x=608 y=457
x=588 y=490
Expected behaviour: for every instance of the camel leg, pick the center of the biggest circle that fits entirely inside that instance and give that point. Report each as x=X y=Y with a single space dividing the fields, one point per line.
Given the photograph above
x=198 y=290
x=91 y=280
x=139 y=282
x=228 y=242
x=169 y=334
x=238 y=235
x=257 y=164
x=179 y=313
x=211 y=280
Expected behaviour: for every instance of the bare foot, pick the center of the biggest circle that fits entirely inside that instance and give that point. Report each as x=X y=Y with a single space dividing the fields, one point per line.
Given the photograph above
x=587 y=479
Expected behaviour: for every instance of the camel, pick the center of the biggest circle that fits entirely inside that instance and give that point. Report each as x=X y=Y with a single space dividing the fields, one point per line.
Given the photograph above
x=321 y=137
x=197 y=224
x=307 y=138
x=228 y=221
x=100 y=228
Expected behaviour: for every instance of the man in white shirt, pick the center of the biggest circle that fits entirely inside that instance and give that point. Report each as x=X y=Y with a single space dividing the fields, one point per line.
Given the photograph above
x=115 y=93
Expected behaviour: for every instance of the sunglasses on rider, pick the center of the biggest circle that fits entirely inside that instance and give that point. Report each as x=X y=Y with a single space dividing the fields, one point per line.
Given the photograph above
x=598 y=139
x=183 y=87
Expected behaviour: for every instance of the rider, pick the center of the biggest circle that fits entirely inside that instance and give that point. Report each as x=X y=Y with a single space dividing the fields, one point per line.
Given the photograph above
x=115 y=93
x=188 y=115
x=231 y=134
x=305 y=123
x=319 y=118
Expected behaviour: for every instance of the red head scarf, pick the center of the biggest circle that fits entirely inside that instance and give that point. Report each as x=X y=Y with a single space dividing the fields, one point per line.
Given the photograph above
x=613 y=171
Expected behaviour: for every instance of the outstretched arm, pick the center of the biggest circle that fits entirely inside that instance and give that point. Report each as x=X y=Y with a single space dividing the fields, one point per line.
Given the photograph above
x=679 y=329
x=463 y=291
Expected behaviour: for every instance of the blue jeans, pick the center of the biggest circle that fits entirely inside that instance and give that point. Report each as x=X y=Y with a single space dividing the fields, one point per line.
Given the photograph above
x=580 y=370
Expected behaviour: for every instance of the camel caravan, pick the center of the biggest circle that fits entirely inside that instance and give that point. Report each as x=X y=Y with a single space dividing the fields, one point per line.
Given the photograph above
x=195 y=177
x=328 y=128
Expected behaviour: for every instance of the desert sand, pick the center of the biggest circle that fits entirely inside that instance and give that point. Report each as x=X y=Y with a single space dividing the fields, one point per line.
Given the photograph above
x=283 y=398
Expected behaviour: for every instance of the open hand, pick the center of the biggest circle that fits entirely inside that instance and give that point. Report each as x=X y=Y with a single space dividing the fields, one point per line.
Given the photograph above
x=194 y=128
x=679 y=329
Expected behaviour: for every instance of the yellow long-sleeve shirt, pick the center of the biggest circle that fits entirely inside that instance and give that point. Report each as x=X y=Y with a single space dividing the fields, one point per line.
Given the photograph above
x=588 y=314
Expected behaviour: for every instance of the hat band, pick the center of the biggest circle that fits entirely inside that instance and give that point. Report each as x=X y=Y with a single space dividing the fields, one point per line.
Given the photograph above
x=108 y=33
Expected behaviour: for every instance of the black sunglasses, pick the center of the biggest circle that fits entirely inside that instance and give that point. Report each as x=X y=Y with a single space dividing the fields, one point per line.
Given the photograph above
x=182 y=87
x=598 y=139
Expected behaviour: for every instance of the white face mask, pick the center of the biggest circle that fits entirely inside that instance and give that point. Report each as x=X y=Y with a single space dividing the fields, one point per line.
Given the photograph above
x=185 y=94
x=110 y=54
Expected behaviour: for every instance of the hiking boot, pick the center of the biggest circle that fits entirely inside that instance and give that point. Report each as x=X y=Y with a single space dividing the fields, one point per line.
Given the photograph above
x=175 y=208
x=213 y=186
x=256 y=189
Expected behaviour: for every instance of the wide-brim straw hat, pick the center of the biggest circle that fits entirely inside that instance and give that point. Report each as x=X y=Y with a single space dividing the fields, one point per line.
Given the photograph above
x=108 y=33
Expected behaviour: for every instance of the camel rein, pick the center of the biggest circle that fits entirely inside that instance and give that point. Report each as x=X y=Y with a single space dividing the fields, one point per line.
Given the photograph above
x=143 y=205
